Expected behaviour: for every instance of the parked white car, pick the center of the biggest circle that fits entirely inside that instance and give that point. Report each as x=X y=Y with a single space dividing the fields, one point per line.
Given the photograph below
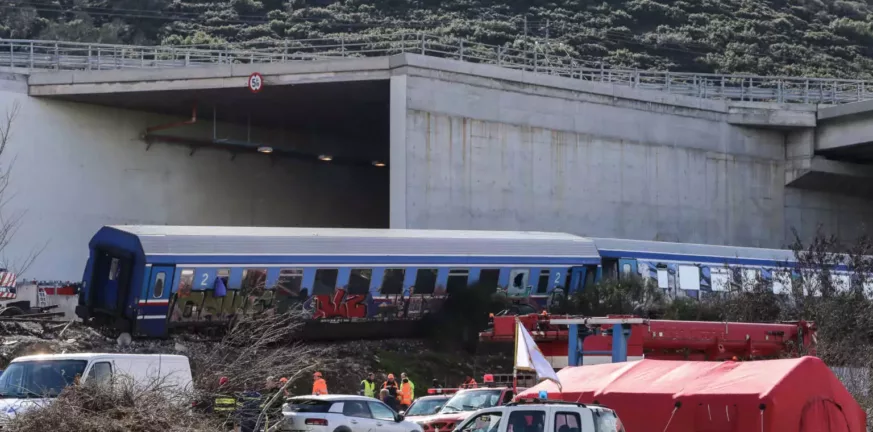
x=342 y=413
x=542 y=416
x=34 y=380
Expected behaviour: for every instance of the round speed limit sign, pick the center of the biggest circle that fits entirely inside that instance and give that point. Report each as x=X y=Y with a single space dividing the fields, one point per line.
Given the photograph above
x=256 y=82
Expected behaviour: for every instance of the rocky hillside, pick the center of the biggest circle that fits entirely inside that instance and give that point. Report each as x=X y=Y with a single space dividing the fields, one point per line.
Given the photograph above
x=776 y=37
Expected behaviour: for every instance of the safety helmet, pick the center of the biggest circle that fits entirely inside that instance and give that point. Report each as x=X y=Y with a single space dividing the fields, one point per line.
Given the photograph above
x=283 y=380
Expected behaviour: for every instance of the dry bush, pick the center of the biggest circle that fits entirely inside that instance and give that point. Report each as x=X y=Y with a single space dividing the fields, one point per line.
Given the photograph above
x=253 y=348
x=122 y=407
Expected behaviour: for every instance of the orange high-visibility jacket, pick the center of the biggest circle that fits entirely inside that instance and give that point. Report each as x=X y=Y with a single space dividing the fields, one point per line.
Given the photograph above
x=319 y=387
x=406 y=393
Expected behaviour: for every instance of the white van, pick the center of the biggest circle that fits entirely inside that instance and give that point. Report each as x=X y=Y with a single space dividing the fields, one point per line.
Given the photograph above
x=32 y=380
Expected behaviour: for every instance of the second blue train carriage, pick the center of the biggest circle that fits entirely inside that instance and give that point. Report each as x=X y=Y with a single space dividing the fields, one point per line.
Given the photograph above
x=149 y=279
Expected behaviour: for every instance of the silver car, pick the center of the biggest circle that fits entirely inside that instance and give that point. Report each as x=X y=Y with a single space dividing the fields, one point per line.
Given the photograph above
x=341 y=413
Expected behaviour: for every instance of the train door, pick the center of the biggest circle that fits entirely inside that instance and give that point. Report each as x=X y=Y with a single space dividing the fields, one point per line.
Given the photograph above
x=110 y=282
x=577 y=277
x=154 y=306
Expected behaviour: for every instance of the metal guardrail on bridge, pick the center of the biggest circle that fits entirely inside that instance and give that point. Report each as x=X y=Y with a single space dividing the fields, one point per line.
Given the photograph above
x=49 y=55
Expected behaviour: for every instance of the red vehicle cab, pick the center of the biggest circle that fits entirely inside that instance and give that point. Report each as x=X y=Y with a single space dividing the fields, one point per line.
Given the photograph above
x=463 y=404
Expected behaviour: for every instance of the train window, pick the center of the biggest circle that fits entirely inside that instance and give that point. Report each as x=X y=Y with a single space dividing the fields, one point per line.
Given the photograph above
x=186 y=282
x=325 y=281
x=842 y=282
x=114 y=269
x=663 y=278
x=626 y=270
x=359 y=281
x=750 y=278
x=610 y=268
x=457 y=280
x=689 y=277
x=781 y=282
x=254 y=280
x=425 y=281
x=290 y=281
x=158 y=289
x=720 y=279
x=543 y=282
x=518 y=282
x=489 y=279
x=392 y=282
x=590 y=275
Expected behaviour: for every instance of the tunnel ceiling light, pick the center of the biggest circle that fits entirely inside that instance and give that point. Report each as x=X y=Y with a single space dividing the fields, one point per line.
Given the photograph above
x=326 y=158
x=265 y=149
x=378 y=163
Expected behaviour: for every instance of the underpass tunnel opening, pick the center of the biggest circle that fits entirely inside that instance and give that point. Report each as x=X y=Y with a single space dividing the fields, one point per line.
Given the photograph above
x=297 y=155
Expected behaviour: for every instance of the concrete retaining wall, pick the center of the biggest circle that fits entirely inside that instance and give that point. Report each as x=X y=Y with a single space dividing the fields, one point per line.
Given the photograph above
x=488 y=149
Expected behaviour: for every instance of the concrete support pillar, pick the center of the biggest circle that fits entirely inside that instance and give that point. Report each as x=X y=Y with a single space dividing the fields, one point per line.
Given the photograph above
x=799 y=152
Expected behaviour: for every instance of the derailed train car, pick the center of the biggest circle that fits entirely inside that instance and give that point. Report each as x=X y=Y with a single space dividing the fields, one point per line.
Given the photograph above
x=151 y=280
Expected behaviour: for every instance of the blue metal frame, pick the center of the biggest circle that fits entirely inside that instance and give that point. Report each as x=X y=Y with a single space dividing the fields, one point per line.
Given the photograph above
x=576 y=354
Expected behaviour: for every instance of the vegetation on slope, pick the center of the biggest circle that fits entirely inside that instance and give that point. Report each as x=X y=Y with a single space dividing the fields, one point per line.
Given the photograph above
x=772 y=37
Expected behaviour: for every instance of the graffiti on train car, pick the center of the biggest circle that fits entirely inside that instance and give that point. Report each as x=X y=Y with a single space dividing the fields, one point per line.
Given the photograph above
x=694 y=280
x=191 y=306
x=341 y=305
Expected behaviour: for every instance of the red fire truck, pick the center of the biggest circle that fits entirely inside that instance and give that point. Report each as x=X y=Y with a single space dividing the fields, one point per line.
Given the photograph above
x=656 y=339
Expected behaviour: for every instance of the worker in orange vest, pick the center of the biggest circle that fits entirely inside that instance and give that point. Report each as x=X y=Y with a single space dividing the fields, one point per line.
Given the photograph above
x=319 y=385
x=407 y=392
x=469 y=383
x=393 y=389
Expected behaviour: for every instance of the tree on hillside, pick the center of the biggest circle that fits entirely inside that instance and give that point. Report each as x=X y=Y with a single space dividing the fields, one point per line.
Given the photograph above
x=765 y=37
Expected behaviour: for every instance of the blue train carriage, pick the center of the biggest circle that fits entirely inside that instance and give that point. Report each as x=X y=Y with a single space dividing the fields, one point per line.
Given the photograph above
x=692 y=270
x=149 y=280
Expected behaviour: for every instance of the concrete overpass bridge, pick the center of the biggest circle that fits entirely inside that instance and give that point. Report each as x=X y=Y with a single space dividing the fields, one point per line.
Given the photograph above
x=423 y=132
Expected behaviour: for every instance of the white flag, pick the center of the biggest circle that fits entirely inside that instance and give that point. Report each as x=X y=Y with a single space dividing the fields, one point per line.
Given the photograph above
x=529 y=358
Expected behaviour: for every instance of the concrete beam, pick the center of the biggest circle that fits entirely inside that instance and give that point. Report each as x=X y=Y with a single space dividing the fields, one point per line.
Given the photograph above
x=207 y=77
x=771 y=115
x=820 y=174
x=403 y=63
x=845 y=131
x=829 y=112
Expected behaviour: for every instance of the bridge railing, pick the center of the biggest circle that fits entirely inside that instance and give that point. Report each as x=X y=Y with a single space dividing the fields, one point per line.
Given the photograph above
x=33 y=55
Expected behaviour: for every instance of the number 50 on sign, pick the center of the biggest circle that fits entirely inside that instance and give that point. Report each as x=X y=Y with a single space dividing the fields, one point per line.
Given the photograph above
x=256 y=82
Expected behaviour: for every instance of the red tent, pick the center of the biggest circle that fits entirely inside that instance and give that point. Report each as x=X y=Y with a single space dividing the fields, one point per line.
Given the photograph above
x=794 y=395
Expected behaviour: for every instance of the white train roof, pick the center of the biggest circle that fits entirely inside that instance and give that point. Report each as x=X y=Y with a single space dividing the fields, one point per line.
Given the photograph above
x=196 y=240
x=686 y=251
